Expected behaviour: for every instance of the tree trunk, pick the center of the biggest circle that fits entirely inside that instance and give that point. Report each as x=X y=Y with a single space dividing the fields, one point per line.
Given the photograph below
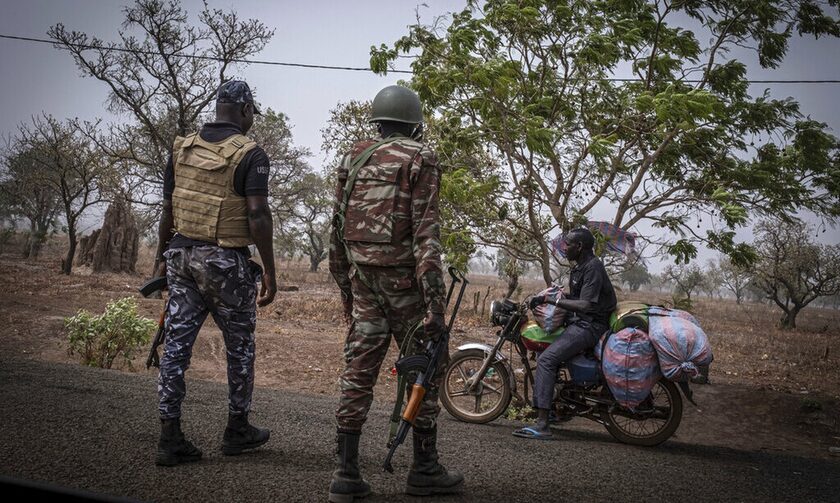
x=35 y=240
x=788 y=321
x=513 y=283
x=67 y=263
x=545 y=265
x=314 y=261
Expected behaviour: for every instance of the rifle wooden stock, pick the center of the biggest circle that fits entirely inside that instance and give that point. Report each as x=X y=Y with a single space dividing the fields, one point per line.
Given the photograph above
x=415 y=400
x=427 y=366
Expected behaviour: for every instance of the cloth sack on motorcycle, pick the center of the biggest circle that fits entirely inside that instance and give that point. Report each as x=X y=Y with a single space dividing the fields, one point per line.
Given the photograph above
x=548 y=316
x=630 y=366
x=681 y=345
x=629 y=313
x=536 y=339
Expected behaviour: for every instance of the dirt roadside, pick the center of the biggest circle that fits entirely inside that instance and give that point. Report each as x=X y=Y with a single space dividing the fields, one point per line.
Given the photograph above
x=300 y=339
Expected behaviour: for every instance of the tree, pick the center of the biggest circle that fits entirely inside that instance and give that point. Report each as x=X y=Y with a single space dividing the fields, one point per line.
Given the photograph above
x=163 y=75
x=510 y=269
x=733 y=277
x=687 y=278
x=347 y=124
x=24 y=196
x=65 y=162
x=712 y=279
x=308 y=231
x=529 y=84
x=791 y=269
x=289 y=167
x=635 y=276
x=287 y=184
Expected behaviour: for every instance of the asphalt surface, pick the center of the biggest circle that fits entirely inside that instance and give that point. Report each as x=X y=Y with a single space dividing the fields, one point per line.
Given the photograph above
x=96 y=430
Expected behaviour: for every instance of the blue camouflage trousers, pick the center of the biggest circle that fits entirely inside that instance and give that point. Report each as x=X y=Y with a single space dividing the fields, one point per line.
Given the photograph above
x=221 y=282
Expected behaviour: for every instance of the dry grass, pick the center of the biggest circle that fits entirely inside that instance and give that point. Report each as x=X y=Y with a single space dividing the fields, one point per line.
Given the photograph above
x=748 y=345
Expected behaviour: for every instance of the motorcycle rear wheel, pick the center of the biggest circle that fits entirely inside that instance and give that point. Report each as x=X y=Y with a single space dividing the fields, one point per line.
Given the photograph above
x=648 y=428
x=490 y=399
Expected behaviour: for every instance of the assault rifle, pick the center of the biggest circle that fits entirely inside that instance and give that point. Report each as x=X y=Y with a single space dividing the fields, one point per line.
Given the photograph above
x=425 y=364
x=148 y=289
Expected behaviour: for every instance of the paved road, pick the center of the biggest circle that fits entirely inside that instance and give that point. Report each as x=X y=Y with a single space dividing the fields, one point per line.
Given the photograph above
x=96 y=430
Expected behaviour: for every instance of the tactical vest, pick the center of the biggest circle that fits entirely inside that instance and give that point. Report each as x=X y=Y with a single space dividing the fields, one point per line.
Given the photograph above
x=372 y=190
x=205 y=204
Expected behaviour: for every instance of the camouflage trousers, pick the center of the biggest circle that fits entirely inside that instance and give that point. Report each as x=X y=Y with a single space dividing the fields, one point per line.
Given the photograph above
x=222 y=282
x=369 y=337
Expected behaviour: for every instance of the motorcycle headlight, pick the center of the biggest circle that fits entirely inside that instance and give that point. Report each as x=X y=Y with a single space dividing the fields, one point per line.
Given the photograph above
x=500 y=312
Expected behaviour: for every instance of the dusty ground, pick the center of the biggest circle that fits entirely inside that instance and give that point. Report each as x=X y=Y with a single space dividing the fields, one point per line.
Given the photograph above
x=773 y=390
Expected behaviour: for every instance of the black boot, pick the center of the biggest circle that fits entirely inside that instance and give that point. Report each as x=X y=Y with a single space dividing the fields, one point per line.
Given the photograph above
x=173 y=448
x=427 y=476
x=347 y=483
x=241 y=435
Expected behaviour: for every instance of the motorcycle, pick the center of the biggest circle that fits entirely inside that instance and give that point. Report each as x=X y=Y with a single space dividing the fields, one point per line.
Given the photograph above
x=480 y=383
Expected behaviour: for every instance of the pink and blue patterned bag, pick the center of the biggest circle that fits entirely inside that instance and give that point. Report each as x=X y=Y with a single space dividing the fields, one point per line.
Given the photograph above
x=630 y=366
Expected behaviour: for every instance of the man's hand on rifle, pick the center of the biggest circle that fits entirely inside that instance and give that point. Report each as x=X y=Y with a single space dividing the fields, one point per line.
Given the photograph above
x=434 y=325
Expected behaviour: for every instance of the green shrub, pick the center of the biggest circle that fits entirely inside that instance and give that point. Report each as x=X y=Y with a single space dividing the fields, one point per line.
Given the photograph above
x=524 y=414
x=683 y=303
x=117 y=332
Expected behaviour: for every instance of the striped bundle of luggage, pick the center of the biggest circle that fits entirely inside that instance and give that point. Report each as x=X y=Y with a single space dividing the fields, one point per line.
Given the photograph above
x=628 y=361
x=649 y=342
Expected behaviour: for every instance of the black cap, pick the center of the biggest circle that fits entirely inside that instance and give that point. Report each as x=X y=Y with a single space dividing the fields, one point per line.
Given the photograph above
x=236 y=91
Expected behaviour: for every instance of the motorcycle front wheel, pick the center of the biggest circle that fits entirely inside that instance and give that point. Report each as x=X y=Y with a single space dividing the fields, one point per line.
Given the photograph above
x=653 y=422
x=485 y=402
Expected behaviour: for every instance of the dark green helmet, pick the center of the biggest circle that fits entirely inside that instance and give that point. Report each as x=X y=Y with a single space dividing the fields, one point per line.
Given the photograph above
x=398 y=104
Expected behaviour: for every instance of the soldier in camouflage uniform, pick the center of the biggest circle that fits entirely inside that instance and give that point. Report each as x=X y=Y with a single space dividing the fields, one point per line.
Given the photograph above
x=215 y=206
x=385 y=257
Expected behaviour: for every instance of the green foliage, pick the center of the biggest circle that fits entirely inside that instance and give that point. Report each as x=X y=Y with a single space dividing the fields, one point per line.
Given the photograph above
x=683 y=303
x=24 y=194
x=524 y=414
x=347 y=124
x=117 y=332
x=462 y=194
x=635 y=276
x=523 y=88
x=687 y=278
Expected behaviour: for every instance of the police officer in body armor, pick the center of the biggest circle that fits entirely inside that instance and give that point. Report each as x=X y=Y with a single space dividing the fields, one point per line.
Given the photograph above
x=385 y=257
x=215 y=206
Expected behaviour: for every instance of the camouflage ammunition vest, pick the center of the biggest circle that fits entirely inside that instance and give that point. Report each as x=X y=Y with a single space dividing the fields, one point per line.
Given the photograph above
x=205 y=205
x=373 y=197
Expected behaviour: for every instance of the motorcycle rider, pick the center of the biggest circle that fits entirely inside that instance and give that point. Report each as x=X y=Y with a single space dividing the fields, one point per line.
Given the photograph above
x=590 y=301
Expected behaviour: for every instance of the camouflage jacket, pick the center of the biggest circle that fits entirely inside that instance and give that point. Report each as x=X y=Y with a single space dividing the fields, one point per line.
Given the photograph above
x=392 y=216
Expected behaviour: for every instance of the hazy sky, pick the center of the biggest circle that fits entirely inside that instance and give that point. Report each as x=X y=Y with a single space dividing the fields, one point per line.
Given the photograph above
x=36 y=77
